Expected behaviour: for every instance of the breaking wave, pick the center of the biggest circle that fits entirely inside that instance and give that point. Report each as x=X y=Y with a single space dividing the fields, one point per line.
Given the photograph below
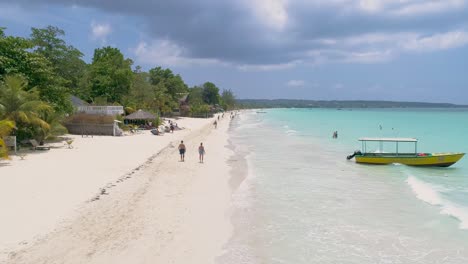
x=428 y=193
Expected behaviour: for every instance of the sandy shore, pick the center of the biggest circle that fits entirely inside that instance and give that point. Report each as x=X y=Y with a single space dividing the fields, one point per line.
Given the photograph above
x=119 y=200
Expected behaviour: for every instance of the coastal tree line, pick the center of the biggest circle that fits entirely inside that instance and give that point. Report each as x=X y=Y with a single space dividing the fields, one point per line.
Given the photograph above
x=39 y=74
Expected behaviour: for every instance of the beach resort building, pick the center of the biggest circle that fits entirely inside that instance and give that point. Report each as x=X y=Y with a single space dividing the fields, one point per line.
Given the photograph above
x=94 y=119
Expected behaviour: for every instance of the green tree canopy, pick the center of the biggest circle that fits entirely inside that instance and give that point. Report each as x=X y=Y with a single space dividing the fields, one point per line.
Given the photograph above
x=174 y=84
x=50 y=70
x=66 y=60
x=110 y=74
x=16 y=57
x=210 y=93
x=228 y=99
x=196 y=96
x=142 y=92
x=144 y=95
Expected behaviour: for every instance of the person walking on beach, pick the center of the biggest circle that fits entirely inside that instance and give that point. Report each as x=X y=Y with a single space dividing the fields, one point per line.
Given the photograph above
x=201 y=151
x=182 y=150
x=215 y=124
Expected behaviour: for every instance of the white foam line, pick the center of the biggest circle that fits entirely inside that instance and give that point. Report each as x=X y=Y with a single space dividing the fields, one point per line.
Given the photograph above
x=427 y=193
x=459 y=212
x=424 y=191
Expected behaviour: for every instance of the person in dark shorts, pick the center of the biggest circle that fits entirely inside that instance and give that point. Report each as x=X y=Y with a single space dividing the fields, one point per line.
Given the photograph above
x=201 y=151
x=182 y=150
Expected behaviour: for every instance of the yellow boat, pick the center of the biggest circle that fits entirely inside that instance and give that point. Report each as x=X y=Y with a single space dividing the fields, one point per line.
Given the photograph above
x=412 y=159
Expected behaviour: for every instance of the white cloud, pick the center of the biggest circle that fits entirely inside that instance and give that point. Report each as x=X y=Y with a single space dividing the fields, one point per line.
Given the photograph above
x=378 y=38
x=396 y=7
x=326 y=41
x=100 y=31
x=371 y=5
x=429 y=7
x=436 y=42
x=272 y=13
x=268 y=67
x=368 y=56
x=406 y=41
x=167 y=53
x=382 y=47
x=295 y=83
x=345 y=55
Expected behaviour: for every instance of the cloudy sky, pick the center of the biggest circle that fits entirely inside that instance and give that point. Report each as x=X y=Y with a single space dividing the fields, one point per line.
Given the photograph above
x=405 y=50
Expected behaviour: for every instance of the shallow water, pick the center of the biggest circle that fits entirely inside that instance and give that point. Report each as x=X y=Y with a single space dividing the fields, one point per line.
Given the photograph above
x=303 y=202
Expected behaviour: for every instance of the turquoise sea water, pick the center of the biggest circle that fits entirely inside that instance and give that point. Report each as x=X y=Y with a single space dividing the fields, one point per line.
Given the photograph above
x=303 y=202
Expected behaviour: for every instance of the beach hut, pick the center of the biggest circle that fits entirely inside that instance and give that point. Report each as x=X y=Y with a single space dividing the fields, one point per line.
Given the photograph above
x=140 y=117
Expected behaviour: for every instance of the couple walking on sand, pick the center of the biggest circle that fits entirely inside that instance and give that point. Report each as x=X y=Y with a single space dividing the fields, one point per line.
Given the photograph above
x=182 y=148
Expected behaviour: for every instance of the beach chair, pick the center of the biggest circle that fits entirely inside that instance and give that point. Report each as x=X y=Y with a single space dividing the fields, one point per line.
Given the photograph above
x=36 y=146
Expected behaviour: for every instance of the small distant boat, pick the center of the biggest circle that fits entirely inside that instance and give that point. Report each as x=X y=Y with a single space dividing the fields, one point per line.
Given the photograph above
x=412 y=159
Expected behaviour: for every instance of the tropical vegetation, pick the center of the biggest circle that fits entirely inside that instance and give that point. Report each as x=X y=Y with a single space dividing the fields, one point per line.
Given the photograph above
x=39 y=73
x=5 y=128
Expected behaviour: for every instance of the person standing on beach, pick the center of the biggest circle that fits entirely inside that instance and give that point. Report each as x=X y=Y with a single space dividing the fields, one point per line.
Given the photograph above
x=201 y=151
x=182 y=150
x=215 y=124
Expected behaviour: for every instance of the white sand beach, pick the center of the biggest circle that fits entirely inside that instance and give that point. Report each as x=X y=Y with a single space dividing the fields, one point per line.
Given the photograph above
x=119 y=200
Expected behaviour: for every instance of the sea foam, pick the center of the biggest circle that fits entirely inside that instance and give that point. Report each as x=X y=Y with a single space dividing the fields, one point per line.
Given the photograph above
x=291 y=132
x=424 y=191
x=429 y=194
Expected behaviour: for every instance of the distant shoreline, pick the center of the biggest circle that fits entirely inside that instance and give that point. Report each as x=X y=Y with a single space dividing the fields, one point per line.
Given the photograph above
x=353 y=104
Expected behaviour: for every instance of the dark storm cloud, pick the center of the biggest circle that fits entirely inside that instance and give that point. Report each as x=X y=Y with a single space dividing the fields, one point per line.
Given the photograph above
x=229 y=31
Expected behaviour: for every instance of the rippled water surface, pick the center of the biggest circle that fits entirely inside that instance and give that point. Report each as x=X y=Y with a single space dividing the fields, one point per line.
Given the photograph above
x=303 y=202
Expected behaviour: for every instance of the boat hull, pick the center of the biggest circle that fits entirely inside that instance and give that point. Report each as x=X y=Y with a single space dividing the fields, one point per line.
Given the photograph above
x=427 y=159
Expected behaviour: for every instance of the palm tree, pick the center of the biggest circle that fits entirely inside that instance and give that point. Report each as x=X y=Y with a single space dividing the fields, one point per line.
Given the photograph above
x=23 y=107
x=55 y=120
x=5 y=128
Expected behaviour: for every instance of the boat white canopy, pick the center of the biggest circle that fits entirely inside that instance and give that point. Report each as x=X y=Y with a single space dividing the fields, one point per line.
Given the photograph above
x=389 y=139
x=382 y=140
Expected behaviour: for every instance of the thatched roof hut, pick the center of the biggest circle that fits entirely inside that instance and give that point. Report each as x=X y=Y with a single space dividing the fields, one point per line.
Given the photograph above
x=140 y=115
